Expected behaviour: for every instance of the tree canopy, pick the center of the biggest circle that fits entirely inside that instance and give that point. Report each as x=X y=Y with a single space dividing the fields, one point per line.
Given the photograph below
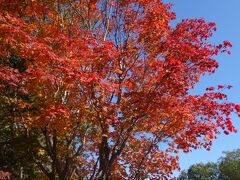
x=227 y=168
x=229 y=165
x=99 y=89
x=208 y=171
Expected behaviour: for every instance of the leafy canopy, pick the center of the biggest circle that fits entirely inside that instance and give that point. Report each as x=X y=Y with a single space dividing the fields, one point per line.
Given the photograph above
x=103 y=85
x=227 y=168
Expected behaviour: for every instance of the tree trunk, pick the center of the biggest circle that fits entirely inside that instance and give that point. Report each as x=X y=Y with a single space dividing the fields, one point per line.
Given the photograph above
x=103 y=173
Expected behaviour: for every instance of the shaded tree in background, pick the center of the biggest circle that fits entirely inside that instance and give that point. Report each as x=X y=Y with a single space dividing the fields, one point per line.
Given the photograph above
x=200 y=171
x=227 y=168
x=229 y=165
x=93 y=87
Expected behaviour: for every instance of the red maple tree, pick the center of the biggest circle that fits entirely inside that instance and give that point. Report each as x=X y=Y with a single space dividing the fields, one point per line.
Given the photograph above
x=107 y=85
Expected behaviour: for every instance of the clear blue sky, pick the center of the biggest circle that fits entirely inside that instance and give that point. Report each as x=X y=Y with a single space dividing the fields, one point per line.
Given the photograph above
x=226 y=14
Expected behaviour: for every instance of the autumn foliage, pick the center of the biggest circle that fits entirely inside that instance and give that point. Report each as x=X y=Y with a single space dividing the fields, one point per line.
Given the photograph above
x=103 y=86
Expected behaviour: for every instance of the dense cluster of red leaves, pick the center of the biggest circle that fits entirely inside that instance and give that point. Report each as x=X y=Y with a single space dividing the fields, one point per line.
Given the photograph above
x=112 y=79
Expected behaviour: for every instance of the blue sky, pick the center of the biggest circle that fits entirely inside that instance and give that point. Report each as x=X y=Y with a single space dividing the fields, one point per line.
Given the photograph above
x=226 y=15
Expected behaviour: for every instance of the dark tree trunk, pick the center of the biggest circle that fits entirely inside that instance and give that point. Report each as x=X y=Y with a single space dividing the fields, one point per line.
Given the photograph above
x=103 y=172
